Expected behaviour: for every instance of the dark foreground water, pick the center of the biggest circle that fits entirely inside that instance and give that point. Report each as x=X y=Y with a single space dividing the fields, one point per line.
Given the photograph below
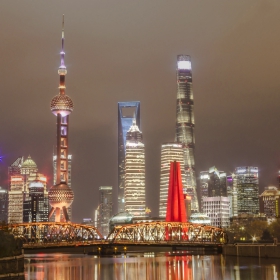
x=140 y=266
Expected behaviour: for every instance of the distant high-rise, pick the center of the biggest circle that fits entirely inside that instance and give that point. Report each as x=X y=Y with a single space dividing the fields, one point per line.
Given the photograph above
x=134 y=190
x=127 y=112
x=270 y=202
x=232 y=195
x=105 y=209
x=217 y=209
x=36 y=204
x=169 y=152
x=27 y=167
x=185 y=124
x=3 y=205
x=60 y=195
x=203 y=184
x=16 y=199
x=217 y=185
x=247 y=183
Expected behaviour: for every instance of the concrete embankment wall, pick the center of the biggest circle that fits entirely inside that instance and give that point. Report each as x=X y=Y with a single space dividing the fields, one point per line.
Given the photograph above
x=252 y=250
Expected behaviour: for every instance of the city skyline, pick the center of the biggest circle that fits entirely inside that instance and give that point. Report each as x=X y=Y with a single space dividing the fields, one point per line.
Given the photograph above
x=121 y=58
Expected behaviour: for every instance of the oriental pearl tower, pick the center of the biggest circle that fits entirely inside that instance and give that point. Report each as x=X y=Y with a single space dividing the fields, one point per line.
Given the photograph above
x=60 y=195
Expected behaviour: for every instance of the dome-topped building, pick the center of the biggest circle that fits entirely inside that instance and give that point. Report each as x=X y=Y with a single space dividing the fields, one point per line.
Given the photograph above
x=60 y=195
x=28 y=166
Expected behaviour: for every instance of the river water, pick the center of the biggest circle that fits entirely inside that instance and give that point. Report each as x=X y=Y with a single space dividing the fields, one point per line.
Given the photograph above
x=150 y=266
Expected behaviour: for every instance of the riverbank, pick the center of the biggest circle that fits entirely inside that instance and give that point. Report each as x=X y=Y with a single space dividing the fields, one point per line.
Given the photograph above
x=11 y=257
x=252 y=250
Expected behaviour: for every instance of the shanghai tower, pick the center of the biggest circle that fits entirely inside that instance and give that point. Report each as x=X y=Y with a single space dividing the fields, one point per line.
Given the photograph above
x=185 y=125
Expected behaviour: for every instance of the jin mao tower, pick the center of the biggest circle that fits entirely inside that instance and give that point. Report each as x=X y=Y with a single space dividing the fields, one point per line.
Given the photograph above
x=60 y=195
x=185 y=124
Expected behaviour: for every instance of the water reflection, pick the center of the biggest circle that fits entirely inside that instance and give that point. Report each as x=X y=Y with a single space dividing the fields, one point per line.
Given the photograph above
x=150 y=266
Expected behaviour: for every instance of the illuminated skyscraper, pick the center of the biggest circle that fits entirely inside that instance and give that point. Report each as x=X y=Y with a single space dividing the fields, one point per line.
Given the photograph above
x=16 y=199
x=247 y=181
x=27 y=167
x=36 y=204
x=60 y=195
x=105 y=209
x=127 y=112
x=169 y=152
x=185 y=124
x=134 y=191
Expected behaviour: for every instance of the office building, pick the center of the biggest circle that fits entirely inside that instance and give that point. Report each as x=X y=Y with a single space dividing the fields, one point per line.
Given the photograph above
x=127 y=112
x=169 y=152
x=105 y=209
x=203 y=185
x=270 y=202
x=185 y=124
x=16 y=197
x=232 y=195
x=27 y=167
x=14 y=169
x=247 y=184
x=61 y=195
x=217 y=209
x=36 y=204
x=217 y=184
x=134 y=191
x=3 y=205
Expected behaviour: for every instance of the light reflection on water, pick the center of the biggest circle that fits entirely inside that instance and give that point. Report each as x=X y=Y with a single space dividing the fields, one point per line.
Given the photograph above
x=150 y=266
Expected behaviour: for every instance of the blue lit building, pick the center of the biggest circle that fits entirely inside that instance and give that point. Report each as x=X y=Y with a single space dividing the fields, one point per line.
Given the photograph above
x=127 y=112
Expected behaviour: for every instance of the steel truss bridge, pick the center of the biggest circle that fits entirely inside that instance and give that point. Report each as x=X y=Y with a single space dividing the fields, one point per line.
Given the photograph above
x=55 y=234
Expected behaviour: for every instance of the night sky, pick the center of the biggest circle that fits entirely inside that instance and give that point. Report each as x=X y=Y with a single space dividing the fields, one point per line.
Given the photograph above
x=124 y=51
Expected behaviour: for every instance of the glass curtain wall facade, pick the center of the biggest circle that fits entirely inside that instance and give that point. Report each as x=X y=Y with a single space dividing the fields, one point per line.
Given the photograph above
x=3 y=205
x=105 y=209
x=134 y=191
x=169 y=152
x=185 y=124
x=127 y=112
x=247 y=181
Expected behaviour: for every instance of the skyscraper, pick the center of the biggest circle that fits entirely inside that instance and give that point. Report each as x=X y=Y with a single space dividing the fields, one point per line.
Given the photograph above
x=3 y=205
x=14 y=169
x=217 y=185
x=16 y=199
x=204 y=181
x=105 y=209
x=247 y=182
x=36 y=204
x=127 y=112
x=60 y=195
x=134 y=190
x=185 y=124
x=169 y=152
x=28 y=167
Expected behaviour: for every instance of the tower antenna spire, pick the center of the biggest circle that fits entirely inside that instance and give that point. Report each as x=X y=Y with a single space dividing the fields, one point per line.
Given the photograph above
x=62 y=53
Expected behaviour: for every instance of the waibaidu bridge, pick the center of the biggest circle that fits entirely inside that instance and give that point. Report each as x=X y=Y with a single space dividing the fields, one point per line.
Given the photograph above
x=173 y=232
x=60 y=235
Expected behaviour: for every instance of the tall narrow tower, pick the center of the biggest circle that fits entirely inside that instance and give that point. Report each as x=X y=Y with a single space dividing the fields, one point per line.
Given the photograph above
x=127 y=112
x=60 y=195
x=185 y=124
